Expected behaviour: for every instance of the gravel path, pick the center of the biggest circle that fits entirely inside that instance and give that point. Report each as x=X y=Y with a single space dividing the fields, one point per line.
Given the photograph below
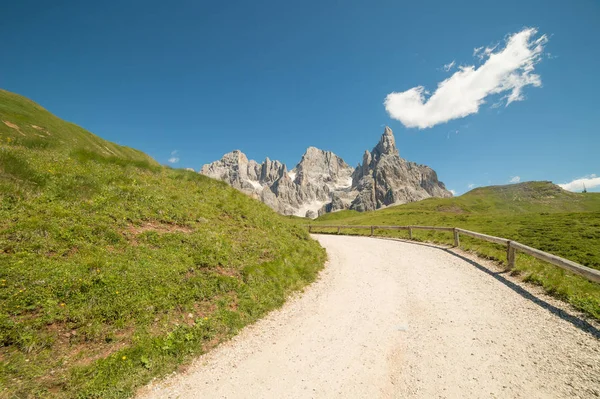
x=392 y=319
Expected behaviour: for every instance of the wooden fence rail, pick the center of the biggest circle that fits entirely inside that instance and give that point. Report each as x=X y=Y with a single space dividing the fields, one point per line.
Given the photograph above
x=511 y=246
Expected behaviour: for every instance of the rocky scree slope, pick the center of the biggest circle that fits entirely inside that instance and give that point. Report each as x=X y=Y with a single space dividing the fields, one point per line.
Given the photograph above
x=322 y=182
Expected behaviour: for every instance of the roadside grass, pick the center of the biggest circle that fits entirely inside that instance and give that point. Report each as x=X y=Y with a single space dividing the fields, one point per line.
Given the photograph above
x=539 y=219
x=115 y=270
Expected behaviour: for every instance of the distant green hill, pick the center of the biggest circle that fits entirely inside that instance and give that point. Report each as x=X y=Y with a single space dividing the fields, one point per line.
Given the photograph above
x=528 y=197
x=540 y=196
x=114 y=269
x=539 y=214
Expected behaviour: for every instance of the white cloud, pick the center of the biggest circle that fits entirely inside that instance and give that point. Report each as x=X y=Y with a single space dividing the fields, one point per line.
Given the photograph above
x=507 y=71
x=590 y=181
x=471 y=186
x=448 y=67
x=515 y=179
x=497 y=104
x=173 y=158
x=453 y=192
x=482 y=53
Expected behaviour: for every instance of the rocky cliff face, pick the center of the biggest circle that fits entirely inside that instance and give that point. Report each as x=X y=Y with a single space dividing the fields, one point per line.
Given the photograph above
x=384 y=178
x=323 y=168
x=322 y=182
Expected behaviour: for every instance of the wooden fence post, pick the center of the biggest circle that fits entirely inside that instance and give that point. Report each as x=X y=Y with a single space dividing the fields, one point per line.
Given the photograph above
x=511 y=253
x=456 y=238
x=309 y=229
x=339 y=230
x=372 y=231
x=409 y=233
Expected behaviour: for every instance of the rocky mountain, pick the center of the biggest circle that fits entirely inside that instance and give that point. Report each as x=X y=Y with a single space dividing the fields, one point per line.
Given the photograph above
x=384 y=178
x=322 y=182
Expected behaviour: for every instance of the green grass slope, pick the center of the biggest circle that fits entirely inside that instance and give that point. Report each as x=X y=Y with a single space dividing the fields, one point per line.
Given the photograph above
x=25 y=123
x=114 y=270
x=538 y=214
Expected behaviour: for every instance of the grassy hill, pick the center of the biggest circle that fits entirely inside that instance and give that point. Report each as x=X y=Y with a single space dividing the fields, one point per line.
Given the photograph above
x=539 y=214
x=25 y=123
x=521 y=198
x=114 y=269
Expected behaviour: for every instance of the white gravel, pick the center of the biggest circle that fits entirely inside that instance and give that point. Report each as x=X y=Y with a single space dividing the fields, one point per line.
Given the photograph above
x=392 y=319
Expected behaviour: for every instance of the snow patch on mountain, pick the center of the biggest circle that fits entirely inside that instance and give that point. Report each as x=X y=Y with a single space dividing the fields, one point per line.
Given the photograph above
x=310 y=209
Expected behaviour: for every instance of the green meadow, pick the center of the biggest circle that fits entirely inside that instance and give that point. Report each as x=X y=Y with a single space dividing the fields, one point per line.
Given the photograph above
x=115 y=270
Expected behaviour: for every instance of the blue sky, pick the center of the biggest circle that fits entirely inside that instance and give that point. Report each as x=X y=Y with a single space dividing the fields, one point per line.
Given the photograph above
x=273 y=77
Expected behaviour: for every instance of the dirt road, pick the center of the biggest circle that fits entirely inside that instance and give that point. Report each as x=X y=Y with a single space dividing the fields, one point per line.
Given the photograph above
x=391 y=319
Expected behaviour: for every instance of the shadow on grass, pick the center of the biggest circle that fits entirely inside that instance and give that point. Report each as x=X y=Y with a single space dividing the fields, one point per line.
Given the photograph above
x=576 y=321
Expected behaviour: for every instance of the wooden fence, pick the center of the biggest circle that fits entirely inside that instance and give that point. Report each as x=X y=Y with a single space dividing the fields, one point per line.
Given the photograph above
x=511 y=246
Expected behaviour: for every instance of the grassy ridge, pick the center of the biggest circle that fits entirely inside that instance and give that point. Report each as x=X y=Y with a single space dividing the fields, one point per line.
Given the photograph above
x=114 y=269
x=538 y=214
x=26 y=123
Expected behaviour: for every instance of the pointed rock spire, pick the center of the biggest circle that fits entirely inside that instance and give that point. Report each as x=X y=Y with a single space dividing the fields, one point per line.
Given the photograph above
x=386 y=145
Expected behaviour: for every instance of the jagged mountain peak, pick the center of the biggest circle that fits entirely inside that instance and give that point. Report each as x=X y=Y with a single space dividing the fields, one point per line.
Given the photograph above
x=313 y=150
x=323 y=182
x=386 y=145
x=237 y=155
x=384 y=178
x=322 y=167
